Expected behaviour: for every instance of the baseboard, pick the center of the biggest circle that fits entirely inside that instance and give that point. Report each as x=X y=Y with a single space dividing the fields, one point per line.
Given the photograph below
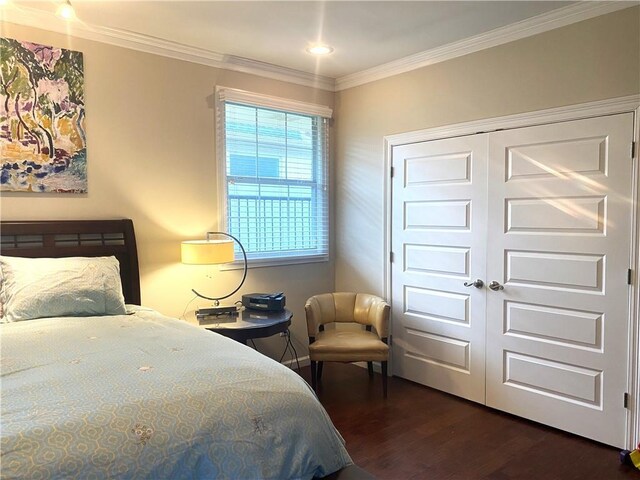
x=376 y=366
x=304 y=361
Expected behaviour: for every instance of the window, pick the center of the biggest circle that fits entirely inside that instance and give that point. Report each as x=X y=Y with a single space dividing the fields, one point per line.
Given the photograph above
x=274 y=153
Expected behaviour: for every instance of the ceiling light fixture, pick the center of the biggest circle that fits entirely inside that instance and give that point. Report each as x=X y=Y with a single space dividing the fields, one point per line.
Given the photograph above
x=66 y=11
x=319 y=49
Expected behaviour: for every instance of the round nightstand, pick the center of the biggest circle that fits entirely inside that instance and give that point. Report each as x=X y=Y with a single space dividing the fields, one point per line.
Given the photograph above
x=248 y=324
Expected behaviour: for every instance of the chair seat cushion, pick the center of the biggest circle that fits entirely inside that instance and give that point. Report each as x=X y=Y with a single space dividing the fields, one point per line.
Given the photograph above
x=348 y=346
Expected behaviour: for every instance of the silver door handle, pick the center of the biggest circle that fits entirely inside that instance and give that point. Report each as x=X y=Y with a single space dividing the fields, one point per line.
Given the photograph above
x=476 y=283
x=495 y=286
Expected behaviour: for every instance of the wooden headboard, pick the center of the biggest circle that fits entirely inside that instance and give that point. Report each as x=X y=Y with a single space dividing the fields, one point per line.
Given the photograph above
x=77 y=238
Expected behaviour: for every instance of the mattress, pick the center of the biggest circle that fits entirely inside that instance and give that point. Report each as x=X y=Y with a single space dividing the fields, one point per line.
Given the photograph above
x=147 y=396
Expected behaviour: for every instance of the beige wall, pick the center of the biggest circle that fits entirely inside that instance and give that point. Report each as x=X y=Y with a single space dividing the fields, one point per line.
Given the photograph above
x=151 y=157
x=151 y=146
x=591 y=60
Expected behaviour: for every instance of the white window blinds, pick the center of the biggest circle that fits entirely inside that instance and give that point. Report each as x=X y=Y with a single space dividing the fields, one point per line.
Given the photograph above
x=276 y=171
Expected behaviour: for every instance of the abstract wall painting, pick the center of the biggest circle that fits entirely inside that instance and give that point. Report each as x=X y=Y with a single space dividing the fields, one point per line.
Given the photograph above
x=42 y=135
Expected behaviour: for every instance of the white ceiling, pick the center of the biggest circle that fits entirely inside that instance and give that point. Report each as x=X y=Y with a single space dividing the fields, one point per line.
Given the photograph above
x=365 y=34
x=372 y=39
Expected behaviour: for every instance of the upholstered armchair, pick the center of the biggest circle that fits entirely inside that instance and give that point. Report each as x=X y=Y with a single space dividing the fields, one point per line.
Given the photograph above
x=365 y=344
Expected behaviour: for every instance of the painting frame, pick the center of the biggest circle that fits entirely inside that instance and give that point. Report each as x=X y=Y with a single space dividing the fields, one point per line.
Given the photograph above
x=42 y=116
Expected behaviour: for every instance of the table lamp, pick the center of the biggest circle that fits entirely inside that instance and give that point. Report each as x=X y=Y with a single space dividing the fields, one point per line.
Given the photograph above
x=217 y=248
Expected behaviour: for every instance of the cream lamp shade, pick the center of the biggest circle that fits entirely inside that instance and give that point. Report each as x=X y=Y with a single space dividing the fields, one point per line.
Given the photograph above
x=217 y=248
x=206 y=252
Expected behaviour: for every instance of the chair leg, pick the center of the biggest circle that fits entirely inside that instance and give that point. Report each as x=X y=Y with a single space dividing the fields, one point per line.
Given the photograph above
x=384 y=379
x=313 y=375
x=370 y=368
x=320 y=364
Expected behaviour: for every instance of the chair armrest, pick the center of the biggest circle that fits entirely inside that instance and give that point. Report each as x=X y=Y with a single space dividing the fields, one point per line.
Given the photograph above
x=379 y=317
x=313 y=314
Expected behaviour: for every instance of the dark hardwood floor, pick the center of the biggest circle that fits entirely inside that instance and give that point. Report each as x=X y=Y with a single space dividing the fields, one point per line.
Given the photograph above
x=421 y=433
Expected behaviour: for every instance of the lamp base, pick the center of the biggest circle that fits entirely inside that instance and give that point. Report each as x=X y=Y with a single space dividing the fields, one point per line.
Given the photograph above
x=217 y=311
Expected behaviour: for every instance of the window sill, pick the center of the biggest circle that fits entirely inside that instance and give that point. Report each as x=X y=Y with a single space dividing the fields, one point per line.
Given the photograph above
x=275 y=262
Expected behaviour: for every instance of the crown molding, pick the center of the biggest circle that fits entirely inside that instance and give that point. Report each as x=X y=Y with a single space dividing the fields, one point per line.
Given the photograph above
x=240 y=64
x=122 y=38
x=35 y=18
x=532 y=26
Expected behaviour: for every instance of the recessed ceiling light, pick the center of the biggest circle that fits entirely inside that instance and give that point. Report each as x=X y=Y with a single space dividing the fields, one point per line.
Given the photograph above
x=66 y=11
x=320 y=49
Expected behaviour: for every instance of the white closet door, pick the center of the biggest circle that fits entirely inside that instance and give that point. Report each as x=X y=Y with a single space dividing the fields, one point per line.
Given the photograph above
x=438 y=240
x=559 y=242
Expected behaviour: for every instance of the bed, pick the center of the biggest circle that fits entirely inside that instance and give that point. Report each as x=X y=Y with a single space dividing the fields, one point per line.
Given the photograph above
x=131 y=393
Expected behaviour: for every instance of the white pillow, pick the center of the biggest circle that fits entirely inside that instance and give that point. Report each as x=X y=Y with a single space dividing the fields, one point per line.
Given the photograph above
x=57 y=287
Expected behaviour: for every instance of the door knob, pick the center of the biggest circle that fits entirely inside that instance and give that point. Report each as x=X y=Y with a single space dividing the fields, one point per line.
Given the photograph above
x=495 y=286
x=476 y=283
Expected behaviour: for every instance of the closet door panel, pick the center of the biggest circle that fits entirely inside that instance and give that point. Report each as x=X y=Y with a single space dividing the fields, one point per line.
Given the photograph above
x=559 y=233
x=438 y=241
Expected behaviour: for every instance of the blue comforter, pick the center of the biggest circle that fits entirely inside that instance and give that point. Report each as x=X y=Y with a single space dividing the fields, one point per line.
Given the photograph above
x=146 y=396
